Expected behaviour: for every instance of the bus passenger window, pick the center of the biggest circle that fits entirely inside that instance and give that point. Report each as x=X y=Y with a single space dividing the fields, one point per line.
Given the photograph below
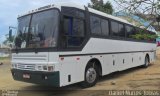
x=95 y=24
x=117 y=29
x=105 y=27
x=74 y=32
x=78 y=27
x=114 y=27
x=121 y=30
x=67 y=26
x=130 y=31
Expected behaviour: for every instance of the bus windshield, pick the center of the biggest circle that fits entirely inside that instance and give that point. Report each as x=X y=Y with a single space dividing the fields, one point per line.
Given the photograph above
x=39 y=30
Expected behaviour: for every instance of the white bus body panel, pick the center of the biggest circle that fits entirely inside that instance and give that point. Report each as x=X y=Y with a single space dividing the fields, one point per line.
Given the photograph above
x=113 y=52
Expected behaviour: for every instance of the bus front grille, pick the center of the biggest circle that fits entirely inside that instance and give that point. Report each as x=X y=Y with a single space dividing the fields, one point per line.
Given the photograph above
x=26 y=67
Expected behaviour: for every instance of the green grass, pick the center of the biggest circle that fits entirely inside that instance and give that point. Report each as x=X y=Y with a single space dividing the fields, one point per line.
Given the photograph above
x=4 y=58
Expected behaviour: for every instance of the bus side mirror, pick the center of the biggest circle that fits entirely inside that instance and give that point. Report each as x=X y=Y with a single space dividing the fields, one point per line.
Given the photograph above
x=10 y=34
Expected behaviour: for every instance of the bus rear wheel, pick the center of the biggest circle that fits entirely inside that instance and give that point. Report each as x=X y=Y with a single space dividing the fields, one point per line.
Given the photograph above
x=147 y=62
x=91 y=75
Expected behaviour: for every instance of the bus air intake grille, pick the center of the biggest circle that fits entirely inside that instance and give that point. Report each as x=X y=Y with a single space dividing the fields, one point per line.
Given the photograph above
x=26 y=66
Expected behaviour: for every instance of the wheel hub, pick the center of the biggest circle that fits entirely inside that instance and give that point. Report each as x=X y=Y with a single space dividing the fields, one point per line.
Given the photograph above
x=91 y=75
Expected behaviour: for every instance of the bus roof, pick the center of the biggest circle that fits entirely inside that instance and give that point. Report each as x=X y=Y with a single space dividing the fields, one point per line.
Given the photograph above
x=75 y=5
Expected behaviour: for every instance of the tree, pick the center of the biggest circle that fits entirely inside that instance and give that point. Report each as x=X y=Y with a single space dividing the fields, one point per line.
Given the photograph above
x=8 y=40
x=147 y=9
x=101 y=6
x=140 y=6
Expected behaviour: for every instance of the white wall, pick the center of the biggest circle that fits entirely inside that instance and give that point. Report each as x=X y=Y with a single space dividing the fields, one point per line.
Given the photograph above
x=4 y=55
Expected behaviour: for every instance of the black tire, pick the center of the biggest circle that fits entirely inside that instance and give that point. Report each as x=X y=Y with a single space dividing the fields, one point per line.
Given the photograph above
x=89 y=83
x=147 y=62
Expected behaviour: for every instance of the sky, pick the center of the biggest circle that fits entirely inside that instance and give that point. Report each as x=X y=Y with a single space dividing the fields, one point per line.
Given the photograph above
x=10 y=9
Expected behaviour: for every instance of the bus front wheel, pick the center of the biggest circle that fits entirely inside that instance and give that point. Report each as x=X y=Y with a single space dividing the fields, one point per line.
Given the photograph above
x=91 y=75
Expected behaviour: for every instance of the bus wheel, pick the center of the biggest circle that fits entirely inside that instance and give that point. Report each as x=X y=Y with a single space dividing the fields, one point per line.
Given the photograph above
x=91 y=75
x=147 y=62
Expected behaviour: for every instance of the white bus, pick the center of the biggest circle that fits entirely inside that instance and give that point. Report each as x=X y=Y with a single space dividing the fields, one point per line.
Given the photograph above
x=63 y=44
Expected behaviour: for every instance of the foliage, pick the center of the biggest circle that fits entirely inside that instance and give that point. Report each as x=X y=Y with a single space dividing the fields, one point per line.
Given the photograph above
x=101 y=6
x=4 y=58
x=142 y=35
x=140 y=6
x=8 y=39
x=147 y=9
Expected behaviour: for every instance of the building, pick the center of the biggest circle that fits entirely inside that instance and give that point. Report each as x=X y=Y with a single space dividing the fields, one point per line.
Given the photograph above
x=4 y=52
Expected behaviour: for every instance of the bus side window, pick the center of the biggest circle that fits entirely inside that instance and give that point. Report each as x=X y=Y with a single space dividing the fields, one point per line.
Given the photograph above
x=117 y=29
x=67 y=26
x=121 y=30
x=99 y=26
x=130 y=31
x=105 y=27
x=95 y=23
x=74 y=32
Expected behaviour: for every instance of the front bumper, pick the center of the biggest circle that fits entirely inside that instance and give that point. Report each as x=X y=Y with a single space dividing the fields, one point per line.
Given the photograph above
x=36 y=77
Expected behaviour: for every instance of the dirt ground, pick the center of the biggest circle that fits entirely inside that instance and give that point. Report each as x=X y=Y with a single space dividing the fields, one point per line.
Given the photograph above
x=132 y=79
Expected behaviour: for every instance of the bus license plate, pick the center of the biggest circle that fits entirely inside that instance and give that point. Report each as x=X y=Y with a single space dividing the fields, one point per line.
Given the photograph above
x=26 y=76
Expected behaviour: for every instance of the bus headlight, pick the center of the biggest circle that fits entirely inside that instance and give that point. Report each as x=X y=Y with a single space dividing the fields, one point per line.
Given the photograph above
x=14 y=66
x=49 y=68
x=40 y=68
x=45 y=68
